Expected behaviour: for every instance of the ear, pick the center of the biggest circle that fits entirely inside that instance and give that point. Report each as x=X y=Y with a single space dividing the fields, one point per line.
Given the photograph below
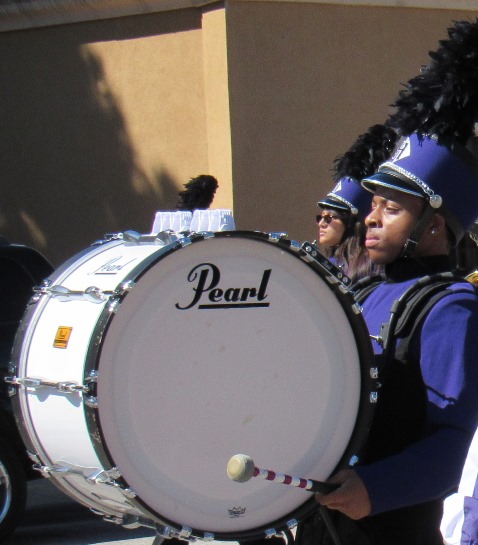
x=437 y=224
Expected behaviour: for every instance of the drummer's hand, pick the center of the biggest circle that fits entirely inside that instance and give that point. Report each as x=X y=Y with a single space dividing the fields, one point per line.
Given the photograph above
x=351 y=498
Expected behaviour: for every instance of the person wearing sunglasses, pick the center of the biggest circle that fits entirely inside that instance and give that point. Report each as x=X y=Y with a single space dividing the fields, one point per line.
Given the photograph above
x=341 y=230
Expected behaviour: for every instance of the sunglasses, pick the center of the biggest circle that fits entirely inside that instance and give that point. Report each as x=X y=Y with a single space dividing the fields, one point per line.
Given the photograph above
x=327 y=218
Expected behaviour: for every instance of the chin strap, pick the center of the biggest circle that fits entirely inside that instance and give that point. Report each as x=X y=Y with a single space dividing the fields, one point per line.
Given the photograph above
x=416 y=234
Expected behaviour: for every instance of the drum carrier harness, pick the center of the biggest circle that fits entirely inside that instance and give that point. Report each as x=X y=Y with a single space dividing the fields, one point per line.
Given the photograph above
x=409 y=310
x=396 y=414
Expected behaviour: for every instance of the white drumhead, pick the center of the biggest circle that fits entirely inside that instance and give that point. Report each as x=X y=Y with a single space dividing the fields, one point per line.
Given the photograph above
x=180 y=390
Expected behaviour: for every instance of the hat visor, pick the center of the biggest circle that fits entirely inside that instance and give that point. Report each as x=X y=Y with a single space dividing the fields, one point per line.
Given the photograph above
x=332 y=203
x=385 y=179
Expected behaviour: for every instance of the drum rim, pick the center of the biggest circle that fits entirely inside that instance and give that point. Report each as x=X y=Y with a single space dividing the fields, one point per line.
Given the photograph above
x=364 y=350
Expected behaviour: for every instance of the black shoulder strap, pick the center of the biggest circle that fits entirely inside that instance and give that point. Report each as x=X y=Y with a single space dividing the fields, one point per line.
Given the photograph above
x=364 y=287
x=406 y=328
x=409 y=311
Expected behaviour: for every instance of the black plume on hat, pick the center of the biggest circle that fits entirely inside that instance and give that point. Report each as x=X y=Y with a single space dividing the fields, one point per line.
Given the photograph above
x=199 y=193
x=366 y=154
x=435 y=117
x=362 y=159
x=443 y=99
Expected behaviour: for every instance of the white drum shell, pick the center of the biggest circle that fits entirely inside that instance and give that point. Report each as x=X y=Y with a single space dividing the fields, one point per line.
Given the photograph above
x=54 y=421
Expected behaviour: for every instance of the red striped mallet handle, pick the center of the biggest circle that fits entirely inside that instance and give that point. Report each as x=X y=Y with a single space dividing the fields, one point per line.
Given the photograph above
x=241 y=468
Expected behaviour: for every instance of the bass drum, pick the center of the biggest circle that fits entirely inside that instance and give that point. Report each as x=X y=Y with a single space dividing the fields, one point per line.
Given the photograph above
x=142 y=366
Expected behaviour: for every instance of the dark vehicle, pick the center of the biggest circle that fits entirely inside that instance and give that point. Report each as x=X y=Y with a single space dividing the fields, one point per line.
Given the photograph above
x=21 y=268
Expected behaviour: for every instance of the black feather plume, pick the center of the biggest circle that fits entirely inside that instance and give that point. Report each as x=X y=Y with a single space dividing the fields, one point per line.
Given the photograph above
x=199 y=193
x=366 y=154
x=443 y=99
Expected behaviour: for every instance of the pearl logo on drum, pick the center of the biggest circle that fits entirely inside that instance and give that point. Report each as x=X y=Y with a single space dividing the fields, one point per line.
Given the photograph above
x=205 y=279
x=112 y=266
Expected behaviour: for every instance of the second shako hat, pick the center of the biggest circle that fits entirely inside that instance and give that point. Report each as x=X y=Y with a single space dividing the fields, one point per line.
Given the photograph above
x=348 y=196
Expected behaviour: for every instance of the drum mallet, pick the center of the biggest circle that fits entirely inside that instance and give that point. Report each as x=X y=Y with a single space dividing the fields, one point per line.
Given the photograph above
x=241 y=469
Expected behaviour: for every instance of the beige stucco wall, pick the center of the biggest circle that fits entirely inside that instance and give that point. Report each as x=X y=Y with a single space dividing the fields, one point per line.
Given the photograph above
x=104 y=120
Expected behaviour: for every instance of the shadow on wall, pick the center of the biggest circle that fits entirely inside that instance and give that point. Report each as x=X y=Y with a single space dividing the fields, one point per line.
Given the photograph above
x=68 y=170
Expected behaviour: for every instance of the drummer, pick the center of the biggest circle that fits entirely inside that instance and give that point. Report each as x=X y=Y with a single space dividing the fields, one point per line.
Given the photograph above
x=427 y=407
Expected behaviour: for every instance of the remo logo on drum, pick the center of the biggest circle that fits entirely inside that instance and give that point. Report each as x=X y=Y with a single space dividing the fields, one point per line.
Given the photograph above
x=206 y=276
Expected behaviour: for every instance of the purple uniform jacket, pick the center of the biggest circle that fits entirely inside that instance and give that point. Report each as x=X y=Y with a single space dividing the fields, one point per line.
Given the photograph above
x=446 y=349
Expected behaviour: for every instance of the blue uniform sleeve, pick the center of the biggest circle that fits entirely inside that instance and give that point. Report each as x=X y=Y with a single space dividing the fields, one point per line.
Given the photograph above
x=431 y=468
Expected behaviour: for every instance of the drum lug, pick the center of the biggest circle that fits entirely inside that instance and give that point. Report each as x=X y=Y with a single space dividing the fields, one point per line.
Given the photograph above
x=36 y=462
x=108 y=237
x=125 y=287
x=113 y=306
x=128 y=492
x=164 y=532
x=163 y=238
x=131 y=522
x=107 y=518
x=275 y=237
x=65 y=387
x=109 y=477
x=104 y=476
x=202 y=235
x=13 y=381
x=91 y=401
x=99 y=476
x=166 y=237
x=90 y=380
x=291 y=524
x=185 y=533
x=127 y=520
x=272 y=532
x=39 y=291
x=335 y=273
x=60 y=471
x=131 y=237
x=92 y=294
x=373 y=397
x=92 y=377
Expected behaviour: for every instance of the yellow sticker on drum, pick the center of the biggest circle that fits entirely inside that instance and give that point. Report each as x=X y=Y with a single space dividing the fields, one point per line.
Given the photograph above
x=62 y=337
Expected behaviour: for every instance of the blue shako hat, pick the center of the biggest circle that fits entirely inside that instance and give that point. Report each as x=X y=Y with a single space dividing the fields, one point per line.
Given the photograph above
x=445 y=176
x=348 y=196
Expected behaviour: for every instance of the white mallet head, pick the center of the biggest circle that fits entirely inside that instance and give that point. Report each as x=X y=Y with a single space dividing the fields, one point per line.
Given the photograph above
x=240 y=468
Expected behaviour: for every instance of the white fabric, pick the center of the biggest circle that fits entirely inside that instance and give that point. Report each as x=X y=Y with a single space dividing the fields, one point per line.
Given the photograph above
x=212 y=220
x=197 y=221
x=453 y=516
x=176 y=221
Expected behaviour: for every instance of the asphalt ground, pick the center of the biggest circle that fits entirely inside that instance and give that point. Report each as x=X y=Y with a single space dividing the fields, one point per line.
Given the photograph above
x=53 y=518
